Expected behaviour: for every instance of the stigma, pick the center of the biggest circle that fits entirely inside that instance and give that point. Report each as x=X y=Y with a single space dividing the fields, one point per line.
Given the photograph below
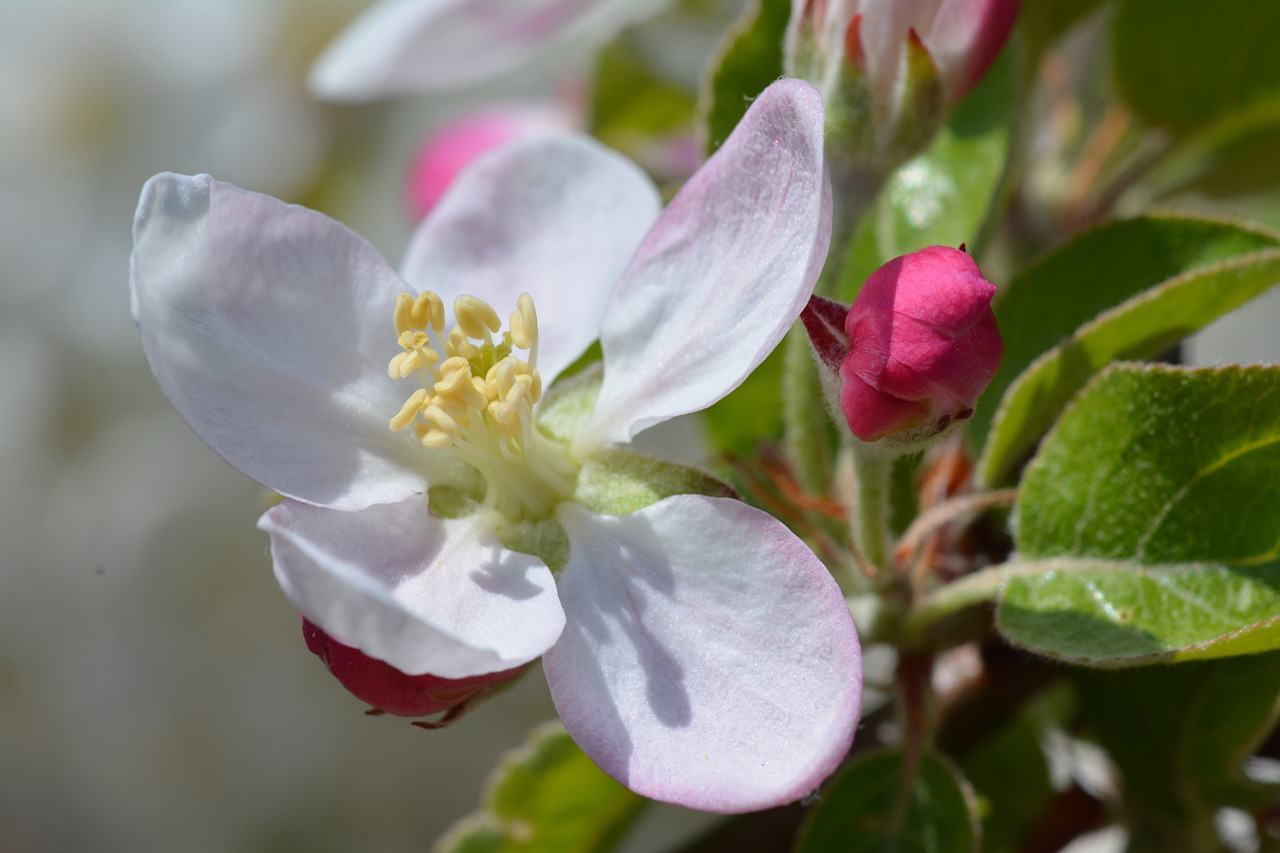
x=478 y=389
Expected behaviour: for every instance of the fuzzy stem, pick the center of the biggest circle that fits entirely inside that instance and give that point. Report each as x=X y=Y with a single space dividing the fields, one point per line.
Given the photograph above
x=806 y=440
x=872 y=468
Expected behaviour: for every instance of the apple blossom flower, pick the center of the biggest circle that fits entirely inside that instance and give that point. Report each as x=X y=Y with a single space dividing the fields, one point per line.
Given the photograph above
x=451 y=512
x=890 y=69
x=404 y=46
x=920 y=345
x=449 y=148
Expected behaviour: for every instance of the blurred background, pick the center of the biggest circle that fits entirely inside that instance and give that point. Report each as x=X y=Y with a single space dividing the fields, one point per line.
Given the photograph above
x=155 y=693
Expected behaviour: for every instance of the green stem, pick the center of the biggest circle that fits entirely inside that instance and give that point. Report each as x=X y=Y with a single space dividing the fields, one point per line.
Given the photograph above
x=956 y=596
x=872 y=468
x=806 y=437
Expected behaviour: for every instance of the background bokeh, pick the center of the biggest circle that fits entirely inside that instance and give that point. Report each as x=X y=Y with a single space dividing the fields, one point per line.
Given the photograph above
x=155 y=693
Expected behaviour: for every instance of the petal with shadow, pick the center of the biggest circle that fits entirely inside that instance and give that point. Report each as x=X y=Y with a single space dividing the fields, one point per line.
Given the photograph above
x=708 y=658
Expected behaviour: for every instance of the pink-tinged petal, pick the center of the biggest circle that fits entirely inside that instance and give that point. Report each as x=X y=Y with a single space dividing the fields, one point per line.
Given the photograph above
x=724 y=272
x=424 y=594
x=557 y=218
x=269 y=328
x=709 y=659
x=404 y=46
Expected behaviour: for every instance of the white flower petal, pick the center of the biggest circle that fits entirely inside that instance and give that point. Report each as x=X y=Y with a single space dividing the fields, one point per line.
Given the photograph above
x=404 y=46
x=723 y=273
x=269 y=328
x=558 y=218
x=709 y=659
x=424 y=594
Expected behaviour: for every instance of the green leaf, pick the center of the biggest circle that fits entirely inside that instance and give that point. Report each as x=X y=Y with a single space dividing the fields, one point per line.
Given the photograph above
x=546 y=797
x=943 y=196
x=1181 y=64
x=748 y=61
x=1179 y=735
x=1130 y=289
x=1148 y=525
x=872 y=805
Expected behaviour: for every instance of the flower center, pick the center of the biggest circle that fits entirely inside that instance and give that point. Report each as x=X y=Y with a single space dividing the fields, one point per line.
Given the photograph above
x=477 y=399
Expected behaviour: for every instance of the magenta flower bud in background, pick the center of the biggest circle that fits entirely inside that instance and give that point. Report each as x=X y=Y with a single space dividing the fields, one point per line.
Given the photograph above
x=923 y=345
x=387 y=688
x=453 y=146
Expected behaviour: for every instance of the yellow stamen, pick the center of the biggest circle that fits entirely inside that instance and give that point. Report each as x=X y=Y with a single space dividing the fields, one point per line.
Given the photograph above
x=477 y=398
x=404 y=303
x=428 y=309
x=460 y=346
x=476 y=317
x=524 y=323
x=409 y=410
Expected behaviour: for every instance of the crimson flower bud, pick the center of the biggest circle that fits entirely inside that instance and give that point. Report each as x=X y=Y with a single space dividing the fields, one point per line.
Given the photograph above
x=923 y=346
x=387 y=688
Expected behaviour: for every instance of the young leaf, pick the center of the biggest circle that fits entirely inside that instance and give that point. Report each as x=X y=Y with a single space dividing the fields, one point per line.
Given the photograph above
x=1178 y=735
x=1126 y=290
x=1181 y=65
x=943 y=196
x=546 y=797
x=872 y=805
x=1148 y=525
x=749 y=60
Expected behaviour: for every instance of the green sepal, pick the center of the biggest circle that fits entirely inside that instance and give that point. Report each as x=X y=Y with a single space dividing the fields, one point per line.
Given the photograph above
x=616 y=481
x=567 y=405
x=546 y=797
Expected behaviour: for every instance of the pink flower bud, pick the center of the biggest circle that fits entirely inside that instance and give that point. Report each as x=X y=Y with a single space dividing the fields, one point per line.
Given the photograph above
x=895 y=65
x=452 y=147
x=388 y=689
x=923 y=345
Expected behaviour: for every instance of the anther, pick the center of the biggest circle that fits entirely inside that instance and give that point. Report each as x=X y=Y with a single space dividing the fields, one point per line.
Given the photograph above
x=475 y=316
x=428 y=309
x=460 y=346
x=524 y=323
x=404 y=305
x=409 y=410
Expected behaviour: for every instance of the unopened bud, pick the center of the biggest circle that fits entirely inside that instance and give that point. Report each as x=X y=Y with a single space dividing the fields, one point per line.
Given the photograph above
x=388 y=689
x=923 y=346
